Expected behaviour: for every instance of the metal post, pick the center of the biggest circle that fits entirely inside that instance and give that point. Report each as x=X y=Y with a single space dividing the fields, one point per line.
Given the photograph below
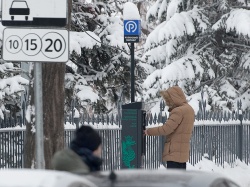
x=40 y=164
x=77 y=122
x=240 y=135
x=132 y=72
x=143 y=143
x=72 y=111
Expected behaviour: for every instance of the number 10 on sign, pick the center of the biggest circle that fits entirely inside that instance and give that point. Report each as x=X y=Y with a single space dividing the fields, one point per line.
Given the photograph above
x=42 y=45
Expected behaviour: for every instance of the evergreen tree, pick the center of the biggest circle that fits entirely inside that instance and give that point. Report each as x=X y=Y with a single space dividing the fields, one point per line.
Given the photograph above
x=105 y=66
x=199 y=46
x=12 y=85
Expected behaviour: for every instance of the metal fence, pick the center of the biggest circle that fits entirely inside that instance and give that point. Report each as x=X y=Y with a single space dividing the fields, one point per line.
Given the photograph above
x=221 y=143
x=219 y=136
x=11 y=148
x=217 y=142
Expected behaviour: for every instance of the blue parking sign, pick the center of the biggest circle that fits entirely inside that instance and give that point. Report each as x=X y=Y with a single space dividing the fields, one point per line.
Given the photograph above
x=132 y=30
x=132 y=27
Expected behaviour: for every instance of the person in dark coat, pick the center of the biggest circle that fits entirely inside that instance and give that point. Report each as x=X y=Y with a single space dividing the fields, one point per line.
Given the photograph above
x=84 y=154
x=178 y=128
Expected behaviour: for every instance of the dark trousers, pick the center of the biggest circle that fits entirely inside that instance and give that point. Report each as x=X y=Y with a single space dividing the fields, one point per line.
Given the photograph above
x=176 y=165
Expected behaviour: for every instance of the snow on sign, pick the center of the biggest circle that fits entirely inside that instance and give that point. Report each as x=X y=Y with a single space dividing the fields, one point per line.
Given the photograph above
x=35 y=45
x=34 y=13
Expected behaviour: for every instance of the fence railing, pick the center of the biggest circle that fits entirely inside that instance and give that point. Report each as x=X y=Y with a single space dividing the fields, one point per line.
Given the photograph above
x=219 y=136
x=221 y=143
x=14 y=119
x=217 y=142
x=11 y=148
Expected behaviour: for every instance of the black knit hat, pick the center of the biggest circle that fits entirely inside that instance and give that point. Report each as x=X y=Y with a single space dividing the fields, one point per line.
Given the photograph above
x=87 y=137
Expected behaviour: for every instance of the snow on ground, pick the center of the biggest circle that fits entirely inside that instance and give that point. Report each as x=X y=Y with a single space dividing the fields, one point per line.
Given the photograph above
x=239 y=173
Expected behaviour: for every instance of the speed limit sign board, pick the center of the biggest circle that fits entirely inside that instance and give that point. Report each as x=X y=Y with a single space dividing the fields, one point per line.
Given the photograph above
x=35 y=45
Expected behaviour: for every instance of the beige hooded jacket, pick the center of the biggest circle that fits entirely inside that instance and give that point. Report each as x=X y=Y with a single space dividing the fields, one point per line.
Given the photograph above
x=178 y=127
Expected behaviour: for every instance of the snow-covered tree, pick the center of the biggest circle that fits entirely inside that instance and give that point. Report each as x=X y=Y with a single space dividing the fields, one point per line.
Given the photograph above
x=11 y=86
x=100 y=56
x=199 y=45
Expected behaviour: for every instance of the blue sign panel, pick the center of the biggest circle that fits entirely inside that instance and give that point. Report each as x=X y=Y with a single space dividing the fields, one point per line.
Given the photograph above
x=132 y=27
x=132 y=30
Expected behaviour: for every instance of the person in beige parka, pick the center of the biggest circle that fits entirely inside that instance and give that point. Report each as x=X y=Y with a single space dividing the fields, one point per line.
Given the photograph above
x=177 y=129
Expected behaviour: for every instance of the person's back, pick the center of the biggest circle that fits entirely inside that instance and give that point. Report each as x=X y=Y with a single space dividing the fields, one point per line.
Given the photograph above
x=84 y=154
x=180 y=137
x=177 y=129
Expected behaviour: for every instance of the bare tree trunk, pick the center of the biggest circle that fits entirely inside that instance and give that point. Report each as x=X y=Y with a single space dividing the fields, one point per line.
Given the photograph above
x=53 y=75
x=53 y=105
x=53 y=108
x=53 y=117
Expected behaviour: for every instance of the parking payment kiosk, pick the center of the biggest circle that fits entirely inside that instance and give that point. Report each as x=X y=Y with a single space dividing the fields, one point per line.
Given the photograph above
x=133 y=142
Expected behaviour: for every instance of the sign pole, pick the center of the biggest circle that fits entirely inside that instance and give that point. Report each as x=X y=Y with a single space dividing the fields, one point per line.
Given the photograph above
x=43 y=39
x=40 y=164
x=132 y=72
x=132 y=113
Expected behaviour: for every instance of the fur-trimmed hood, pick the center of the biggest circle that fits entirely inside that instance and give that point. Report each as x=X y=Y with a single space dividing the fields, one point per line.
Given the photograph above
x=174 y=95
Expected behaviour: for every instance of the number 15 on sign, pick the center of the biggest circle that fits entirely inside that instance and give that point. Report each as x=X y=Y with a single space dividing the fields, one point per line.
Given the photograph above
x=42 y=45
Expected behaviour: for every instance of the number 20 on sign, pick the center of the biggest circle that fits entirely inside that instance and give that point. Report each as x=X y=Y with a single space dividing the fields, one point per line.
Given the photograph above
x=42 y=45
